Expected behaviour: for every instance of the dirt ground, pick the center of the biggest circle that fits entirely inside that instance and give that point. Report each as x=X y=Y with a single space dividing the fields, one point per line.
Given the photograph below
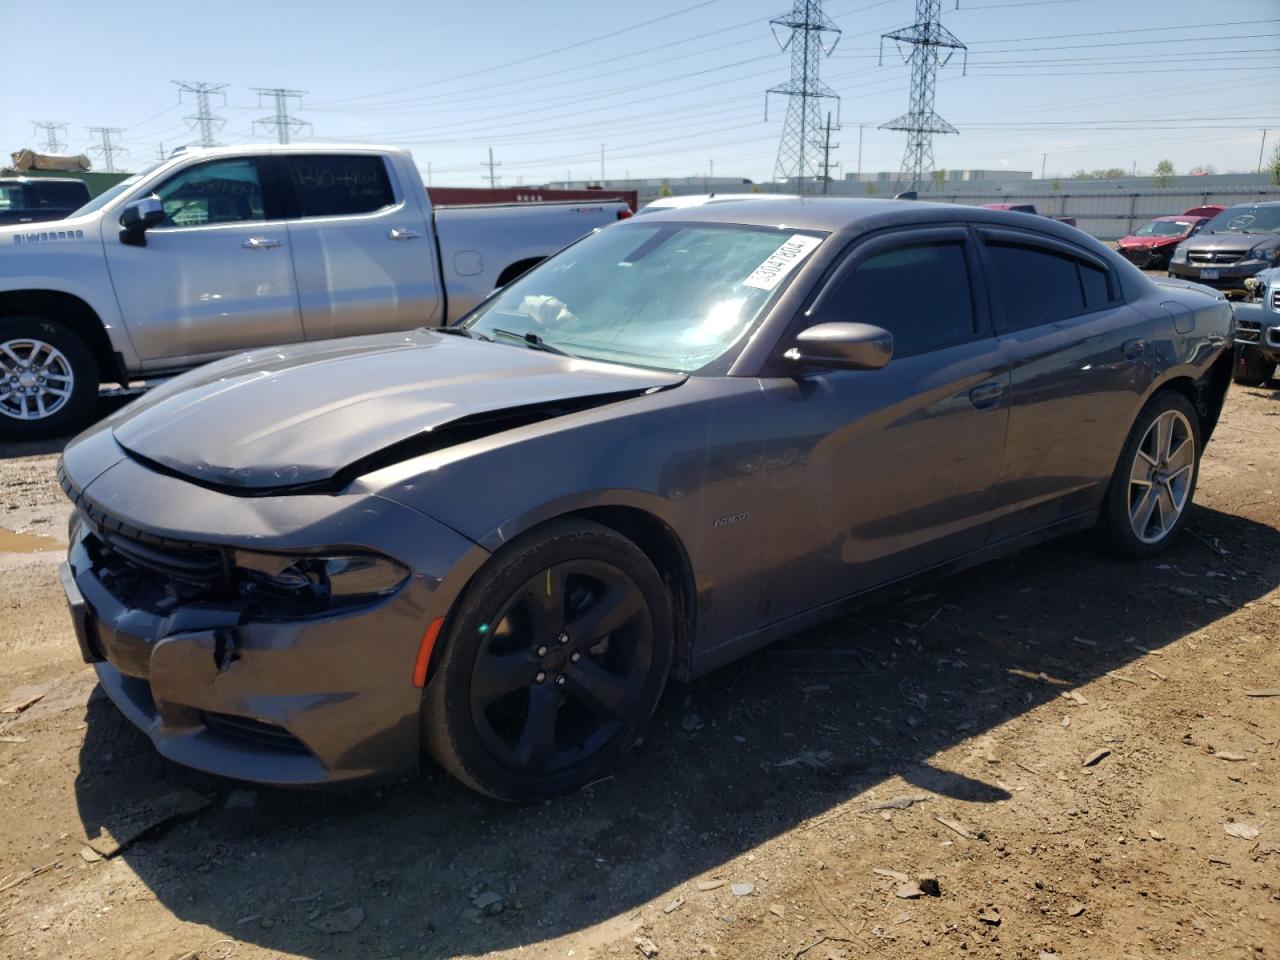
x=955 y=734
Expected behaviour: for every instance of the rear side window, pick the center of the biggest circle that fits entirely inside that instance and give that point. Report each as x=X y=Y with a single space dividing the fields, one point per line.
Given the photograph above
x=1036 y=286
x=69 y=195
x=334 y=186
x=919 y=293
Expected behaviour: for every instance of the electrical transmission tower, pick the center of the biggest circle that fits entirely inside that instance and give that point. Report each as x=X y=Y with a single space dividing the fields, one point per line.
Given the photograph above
x=50 y=130
x=800 y=146
x=204 y=119
x=108 y=150
x=281 y=122
x=930 y=46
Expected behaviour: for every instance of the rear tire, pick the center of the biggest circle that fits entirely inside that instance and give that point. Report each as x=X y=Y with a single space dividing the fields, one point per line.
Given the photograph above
x=49 y=379
x=1151 y=491
x=1251 y=368
x=553 y=662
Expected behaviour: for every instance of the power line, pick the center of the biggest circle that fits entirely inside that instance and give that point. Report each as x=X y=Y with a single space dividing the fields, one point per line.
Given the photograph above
x=50 y=129
x=927 y=38
x=805 y=91
x=281 y=122
x=106 y=149
x=204 y=118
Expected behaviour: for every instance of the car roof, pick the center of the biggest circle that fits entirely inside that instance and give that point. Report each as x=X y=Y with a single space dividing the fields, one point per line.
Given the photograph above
x=858 y=215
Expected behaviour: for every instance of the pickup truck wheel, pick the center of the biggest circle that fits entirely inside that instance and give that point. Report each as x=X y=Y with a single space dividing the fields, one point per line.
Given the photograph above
x=1150 y=493
x=1251 y=368
x=48 y=379
x=553 y=662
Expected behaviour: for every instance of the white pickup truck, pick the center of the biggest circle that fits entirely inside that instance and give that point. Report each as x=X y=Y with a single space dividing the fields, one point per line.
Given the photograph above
x=223 y=249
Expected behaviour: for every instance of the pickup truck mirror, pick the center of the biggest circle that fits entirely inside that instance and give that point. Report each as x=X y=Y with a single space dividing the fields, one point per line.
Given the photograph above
x=848 y=346
x=138 y=217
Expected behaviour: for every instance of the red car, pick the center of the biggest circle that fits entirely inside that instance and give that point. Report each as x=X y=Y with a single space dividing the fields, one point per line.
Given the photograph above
x=1151 y=245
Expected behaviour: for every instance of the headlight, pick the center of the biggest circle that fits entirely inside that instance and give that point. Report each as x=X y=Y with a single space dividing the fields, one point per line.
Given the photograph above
x=1265 y=252
x=318 y=580
x=1179 y=254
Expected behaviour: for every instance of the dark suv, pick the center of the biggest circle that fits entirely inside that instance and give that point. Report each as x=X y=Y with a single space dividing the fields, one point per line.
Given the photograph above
x=35 y=199
x=1236 y=244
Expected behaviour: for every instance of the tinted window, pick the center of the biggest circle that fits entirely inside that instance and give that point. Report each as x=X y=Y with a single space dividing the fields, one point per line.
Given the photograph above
x=331 y=186
x=1097 y=292
x=221 y=191
x=919 y=293
x=70 y=195
x=1035 y=286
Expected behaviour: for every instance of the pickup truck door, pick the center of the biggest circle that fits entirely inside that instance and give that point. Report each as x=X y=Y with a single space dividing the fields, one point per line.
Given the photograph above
x=363 y=250
x=216 y=275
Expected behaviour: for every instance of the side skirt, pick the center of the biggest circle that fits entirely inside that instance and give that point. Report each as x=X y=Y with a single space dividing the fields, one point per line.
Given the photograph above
x=707 y=660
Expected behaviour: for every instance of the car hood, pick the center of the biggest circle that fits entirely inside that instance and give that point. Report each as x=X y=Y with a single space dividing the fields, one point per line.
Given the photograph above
x=1231 y=242
x=298 y=416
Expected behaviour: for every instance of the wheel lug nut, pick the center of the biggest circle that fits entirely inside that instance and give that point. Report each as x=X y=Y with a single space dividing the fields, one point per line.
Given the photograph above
x=575 y=658
x=560 y=680
x=542 y=651
x=540 y=677
x=563 y=638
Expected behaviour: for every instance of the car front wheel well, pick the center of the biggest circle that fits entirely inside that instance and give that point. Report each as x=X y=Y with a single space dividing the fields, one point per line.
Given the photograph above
x=73 y=313
x=665 y=551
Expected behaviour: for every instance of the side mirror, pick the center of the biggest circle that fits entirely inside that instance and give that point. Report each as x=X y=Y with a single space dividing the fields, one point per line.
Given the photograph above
x=138 y=217
x=847 y=346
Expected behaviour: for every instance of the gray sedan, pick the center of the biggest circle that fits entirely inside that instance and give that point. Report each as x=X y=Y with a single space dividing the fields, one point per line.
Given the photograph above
x=681 y=438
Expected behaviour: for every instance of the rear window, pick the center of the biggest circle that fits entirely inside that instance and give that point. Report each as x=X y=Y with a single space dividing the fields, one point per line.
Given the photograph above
x=1037 y=286
x=334 y=186
x=65 y=195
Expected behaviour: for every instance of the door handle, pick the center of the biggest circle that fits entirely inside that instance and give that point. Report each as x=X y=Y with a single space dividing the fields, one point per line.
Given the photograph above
x=260 y=243
x=397 y=234
x=986 y=395
x=1133 y=349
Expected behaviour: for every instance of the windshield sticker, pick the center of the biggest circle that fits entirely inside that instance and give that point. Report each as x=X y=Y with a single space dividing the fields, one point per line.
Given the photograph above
x=782 y=261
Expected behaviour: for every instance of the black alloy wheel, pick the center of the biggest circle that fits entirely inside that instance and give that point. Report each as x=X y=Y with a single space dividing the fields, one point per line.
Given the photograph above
x=552 y=665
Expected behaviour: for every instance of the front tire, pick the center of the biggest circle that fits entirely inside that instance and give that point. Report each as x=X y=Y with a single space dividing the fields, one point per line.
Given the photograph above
x=48 y=379
x=553 y=663
x=1151 y=490
x=1251 y=368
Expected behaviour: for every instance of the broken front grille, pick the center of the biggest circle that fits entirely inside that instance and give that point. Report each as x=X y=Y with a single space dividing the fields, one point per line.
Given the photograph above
x=1248 y=331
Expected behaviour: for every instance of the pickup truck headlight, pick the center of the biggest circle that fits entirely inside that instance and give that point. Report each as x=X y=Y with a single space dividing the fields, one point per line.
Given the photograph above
x=316 y=581
x=1179 y=254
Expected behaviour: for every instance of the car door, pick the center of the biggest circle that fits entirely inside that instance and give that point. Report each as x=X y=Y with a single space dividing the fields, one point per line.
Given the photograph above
x=876 y=474
x=215 y=276
x=361 y=249
x=1079 y=364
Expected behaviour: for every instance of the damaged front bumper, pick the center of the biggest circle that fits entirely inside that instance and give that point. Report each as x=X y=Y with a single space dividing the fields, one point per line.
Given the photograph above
x=219 y=683
x=1259 y=328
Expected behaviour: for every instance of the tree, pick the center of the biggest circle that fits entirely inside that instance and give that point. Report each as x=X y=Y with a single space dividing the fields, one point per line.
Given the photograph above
x=939 y=178
x=871 y=187
x=1055 y=185
x=664 y=190
x=1273 y=166
x=1164 y=173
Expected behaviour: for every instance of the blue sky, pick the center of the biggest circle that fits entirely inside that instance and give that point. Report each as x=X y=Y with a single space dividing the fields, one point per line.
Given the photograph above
x=678 y=86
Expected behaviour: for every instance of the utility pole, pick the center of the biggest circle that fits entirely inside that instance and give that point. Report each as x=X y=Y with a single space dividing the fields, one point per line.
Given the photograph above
x=1044 y=158
x=860 y=126
x=281 y=122
x=50 y=130
x=428 y=173
x=927 y=38
x=804 y=91
x=204 y=119
x=160 y=151
x=108 y=150
x=493 y=180
x=602 y=164
x=1262 y=149
x=826 y=157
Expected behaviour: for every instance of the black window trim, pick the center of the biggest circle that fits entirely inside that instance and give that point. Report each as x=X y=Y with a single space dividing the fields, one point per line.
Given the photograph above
x=293 y=205
x=892 y=238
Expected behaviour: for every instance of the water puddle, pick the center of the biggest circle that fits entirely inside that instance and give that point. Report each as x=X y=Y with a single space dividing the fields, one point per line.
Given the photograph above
x=11 y=542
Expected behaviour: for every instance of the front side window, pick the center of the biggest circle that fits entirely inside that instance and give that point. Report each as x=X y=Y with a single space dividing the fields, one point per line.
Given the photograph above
x=334 y=186
x=674 y=296
x=220 y=191
x=919 y=293
x=1037 y=286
